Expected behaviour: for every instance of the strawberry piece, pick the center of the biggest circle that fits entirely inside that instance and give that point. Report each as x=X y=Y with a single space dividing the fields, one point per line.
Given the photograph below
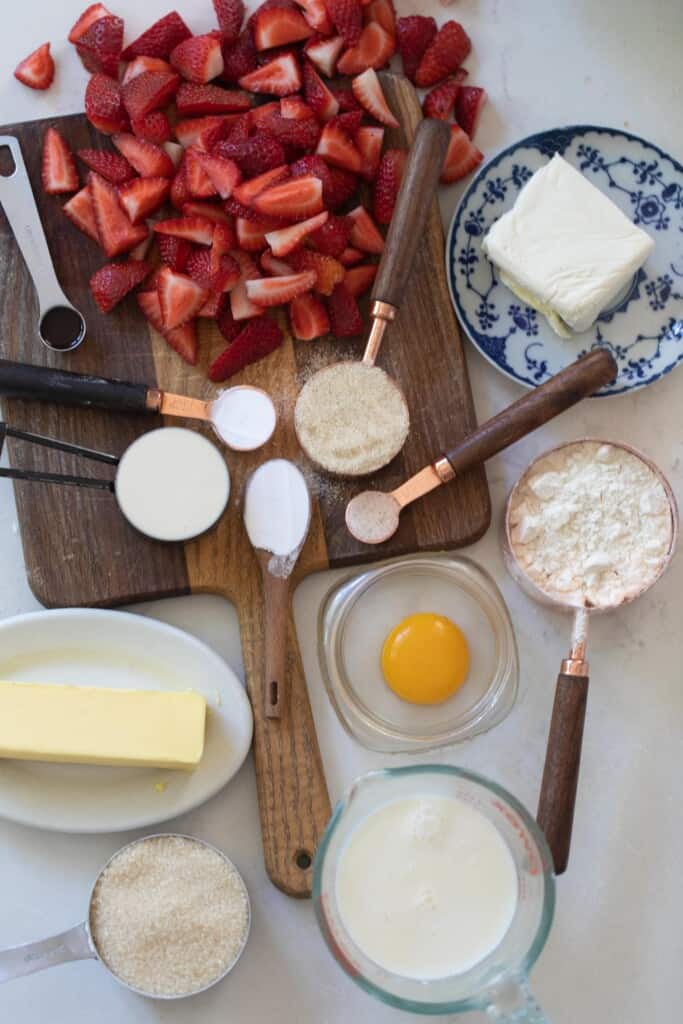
x=346 y=100
x=364 y=233
x=229 y=14
x=274 y=266
x=104 y=105
x=333 y=237
x=148 y=301
x=37 y=70
x=260 y=115
x=174 y=251
x=349 y=121
x=440 y=102
x=313 y=165
x=253 y=156
x=328 y=271
x=148 y=160
x=462 y=156
x=80 y=212
x=347 y=18
x=193 y=229
x=89 y=16
x=284 y=240
x=193 y=131
x=223 y=173
x=315 y=13
x=160 y=38
x=413 y=36
x=357 y=280
x=279 y=26
x=369 y=142
x=154 y=127
x=375 y=49
x=140 y=251
x=214 y=306
x=297 y=134
x=382 y=12
x=251 y=235
x=336 y=147
x=115 y=232
x=59 y=172
x=241 y=306
x=148 y=91
x=274 y=291
x=173 y=150
x=114 y=281
x=227 y=325
x=248 y=190
x=444 y=55
x=210 y=99
x=343 y=185
x=180 y=192
x=350 y=257
x=308 y=317
x=468 y=104
x=180 y=297
x=239 y=58
x=184 y=341
x=297 y=198
x=143 y=196
x=198 y=59
x=215 y=277
x=199 y=185
x=318 y=96
x=100 y=46
x=278 y=77
x=141 y=64
x=324 y=53
x=344 y=314
x=368 y=91
x=295 y=109
x=257 y=339
x=197 y=208
x=387 y=184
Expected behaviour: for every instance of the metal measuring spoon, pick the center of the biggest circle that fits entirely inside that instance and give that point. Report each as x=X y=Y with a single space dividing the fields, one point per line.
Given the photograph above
x=61 y=327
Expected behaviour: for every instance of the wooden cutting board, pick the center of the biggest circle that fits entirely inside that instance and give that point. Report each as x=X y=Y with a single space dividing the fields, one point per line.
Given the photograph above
x=80 y=551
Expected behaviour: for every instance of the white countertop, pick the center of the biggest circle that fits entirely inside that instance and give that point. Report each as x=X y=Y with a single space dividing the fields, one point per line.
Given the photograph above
x=617 y=945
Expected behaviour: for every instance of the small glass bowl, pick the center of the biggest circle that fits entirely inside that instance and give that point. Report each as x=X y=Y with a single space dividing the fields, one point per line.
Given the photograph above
x=359 y=612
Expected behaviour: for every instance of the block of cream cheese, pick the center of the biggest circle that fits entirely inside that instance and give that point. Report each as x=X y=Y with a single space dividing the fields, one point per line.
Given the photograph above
x=565 y=248
x=87 y=725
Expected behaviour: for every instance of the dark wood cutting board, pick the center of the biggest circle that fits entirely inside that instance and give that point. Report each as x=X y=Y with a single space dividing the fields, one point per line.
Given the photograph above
x=80 y=551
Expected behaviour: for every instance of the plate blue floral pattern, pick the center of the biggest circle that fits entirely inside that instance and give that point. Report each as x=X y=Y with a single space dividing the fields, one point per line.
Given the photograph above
x=643 y=328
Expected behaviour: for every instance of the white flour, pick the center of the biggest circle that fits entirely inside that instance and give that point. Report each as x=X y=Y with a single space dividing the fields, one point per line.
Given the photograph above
x=591 y=524
x=244 y=417
x=277 y=513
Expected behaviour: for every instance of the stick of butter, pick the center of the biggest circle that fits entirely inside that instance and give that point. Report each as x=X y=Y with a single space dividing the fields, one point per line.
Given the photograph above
x=87 y=725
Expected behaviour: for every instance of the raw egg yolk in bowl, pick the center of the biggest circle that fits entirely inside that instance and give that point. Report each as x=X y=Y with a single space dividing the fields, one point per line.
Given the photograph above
x=425 y=658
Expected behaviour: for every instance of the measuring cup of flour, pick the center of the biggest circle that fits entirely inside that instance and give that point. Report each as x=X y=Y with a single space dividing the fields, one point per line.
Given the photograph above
x=168 y=917
x=590 y=526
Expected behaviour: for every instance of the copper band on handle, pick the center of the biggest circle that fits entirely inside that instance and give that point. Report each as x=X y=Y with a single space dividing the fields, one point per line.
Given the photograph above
x=154 y=399
x=382 y=315
x=574 y=667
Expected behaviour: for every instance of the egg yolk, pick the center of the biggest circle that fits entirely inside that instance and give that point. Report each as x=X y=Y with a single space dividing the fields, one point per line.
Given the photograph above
x=425 y=658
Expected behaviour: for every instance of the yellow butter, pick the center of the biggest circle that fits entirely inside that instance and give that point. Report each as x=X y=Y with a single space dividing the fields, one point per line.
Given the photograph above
x=86 y=725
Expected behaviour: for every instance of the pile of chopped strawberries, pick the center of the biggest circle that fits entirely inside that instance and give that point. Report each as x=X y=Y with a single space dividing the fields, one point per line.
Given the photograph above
x=240 y=157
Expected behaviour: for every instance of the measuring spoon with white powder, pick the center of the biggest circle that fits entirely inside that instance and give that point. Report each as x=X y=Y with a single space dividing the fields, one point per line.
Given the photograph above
x=243 y=417
x=277 y=517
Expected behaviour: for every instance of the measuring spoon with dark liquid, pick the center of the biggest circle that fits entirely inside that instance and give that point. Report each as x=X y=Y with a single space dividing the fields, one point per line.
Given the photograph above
x=60 y=325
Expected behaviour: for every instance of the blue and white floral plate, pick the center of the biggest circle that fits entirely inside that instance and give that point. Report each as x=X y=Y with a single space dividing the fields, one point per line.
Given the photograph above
x=643 y=328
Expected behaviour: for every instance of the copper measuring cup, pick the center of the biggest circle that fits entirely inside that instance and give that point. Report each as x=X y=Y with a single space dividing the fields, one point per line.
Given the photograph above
x=563 y=753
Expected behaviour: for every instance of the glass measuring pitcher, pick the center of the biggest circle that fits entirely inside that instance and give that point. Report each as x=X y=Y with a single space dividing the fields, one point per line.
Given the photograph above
x=498 y=983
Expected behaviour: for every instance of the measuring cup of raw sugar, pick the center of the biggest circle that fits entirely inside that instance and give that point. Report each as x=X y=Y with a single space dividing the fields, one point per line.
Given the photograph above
x=563 y=755
x=497 y=984
x=78 y=943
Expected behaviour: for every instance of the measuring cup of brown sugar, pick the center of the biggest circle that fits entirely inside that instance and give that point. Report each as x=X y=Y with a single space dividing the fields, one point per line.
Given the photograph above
x=590 y=526
x=168 y=917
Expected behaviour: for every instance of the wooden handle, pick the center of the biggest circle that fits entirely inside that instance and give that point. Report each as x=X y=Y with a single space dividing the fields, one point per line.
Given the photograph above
x=561 y=771
x=565 y=389
x=276 y=596
x=20 y=380
x=420 y=178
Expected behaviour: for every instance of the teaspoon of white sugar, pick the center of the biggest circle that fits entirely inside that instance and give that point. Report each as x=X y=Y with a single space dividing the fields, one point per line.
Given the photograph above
x=372 y=516
x=243 y=417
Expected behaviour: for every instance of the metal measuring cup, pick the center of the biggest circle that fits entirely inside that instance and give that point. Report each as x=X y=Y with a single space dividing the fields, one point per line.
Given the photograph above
x=563 y=753
x=77 y=943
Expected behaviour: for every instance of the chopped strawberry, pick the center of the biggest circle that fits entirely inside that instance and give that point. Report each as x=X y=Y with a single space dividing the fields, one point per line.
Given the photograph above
x=239 y=58
x=295 y=133
x=273 y=266
x=316 y=14
x=229 y=14
x=174 y=251
x=357 y=280
x=260 y=115
x=112 y=282
x=193 y=229
x=343 y=185
x=160 y=38
x=295 y=199
x=284 y=240
x=444 y=55
x=184 y=341
x=346 y=100
x=154 y=127
x=241 y=306
x=294 y=108
x=387 y=184
x=148 y=301
x=368 y=91
x=413 y=35
x=345 y=318
x=190 y=132
x=210 y=99
x=308 y=317
x=383 y=12
x=347 y=18
x=314 y=165
x=215 y=277
x=328 y=271
x=274 y=291
x=180 y=192
x=214 y=306
x=257 y=339
x=209 y=211
x=439 y=103
x=223 y=173
x=104 y=105
x=336 y=147
x=199 y=184
x=143 y=196
x=318 y=96
x=115 y=232
x=140 y=251
x=141 y=64
x=462 y=156
x=227 y=325
x=278 y=77
x=375 y=49
x=149 y=91
x=349 y=121
x=369 y=142
x=468 y=104
x=89 y=17
x=324 y=53
x=149 y=161
x=180 y=297
x=333 y=237
x=364 y=233
x=198 y=59
x=37 y=70
x=80 y=212
x=248 y=190
x=173 y=150
x=100 y=46
x=350 y=257
x=279 y=26
x=253 y=156
x=59 y=172
x=251 y=235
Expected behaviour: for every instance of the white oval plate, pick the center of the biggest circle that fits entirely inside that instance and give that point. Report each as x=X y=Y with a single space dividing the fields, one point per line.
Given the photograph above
x=116 y=649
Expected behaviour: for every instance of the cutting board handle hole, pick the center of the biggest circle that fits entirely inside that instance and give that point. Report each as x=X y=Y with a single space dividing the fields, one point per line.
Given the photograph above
x=303 y=859
x=7 y=165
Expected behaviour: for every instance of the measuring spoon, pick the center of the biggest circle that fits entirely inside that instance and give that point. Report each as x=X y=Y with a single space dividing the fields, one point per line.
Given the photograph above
x=372 y=517
x=243 y=417
x=61 y=327
x=414 y=202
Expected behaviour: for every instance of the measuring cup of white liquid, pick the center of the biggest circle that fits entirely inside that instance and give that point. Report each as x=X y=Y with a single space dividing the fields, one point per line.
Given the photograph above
x=168 y=917
x=434 y=891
